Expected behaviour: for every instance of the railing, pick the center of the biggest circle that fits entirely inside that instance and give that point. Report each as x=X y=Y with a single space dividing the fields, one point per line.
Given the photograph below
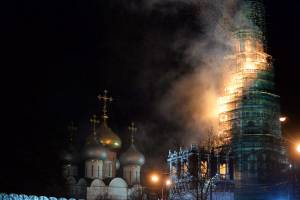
x=13 y=196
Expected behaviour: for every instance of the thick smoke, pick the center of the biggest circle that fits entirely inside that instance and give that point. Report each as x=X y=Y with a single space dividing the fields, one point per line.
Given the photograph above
x=192 y=99
x=189 y=102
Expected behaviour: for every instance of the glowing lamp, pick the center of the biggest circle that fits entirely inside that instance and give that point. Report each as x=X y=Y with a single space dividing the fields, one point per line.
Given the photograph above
x=298 y=148
x=168 y=182
x=282 y=119
x=154 y=178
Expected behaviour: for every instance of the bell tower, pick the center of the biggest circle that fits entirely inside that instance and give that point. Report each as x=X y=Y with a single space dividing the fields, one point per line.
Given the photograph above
x=249 y=110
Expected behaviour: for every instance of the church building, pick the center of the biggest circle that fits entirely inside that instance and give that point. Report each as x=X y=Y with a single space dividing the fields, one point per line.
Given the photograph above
x=99 y=163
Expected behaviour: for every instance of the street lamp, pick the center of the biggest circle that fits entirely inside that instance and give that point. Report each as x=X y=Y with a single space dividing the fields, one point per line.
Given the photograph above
x=282 y=119
x=168 y=182
x=293 y=172
x=154 y=178
x=298 y=148
x=164 y=183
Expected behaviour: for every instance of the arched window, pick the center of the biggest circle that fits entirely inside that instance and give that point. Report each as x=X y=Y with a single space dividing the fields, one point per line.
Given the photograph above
x=223 y=168
x=173 y=170
x=204 y=168
x=92 y=170
x=110 y=169
x=252 y=163
x=185 y=167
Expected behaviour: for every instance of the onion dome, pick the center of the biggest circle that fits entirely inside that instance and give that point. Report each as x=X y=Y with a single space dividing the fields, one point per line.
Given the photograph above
x=70 y=156
x=108 y=138
x=93 y=149
x=132 y=157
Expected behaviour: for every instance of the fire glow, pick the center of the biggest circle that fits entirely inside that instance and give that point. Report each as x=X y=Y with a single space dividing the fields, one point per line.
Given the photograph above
x=248 y=60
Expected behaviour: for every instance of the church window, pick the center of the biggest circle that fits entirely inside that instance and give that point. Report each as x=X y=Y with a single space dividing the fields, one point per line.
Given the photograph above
x=98 y=171
x=109 y=169
x=92 y=170
x=185 y=168
x=203 y=168
x=173 y=170
x=252 y=164
x=242 y=46
x=223 y=170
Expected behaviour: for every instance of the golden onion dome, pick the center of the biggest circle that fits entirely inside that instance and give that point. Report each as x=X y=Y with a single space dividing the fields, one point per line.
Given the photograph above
x=108 y=138
x=132 y=157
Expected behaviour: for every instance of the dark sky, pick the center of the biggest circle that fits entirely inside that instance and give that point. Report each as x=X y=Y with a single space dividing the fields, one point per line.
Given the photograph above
x=59 y=55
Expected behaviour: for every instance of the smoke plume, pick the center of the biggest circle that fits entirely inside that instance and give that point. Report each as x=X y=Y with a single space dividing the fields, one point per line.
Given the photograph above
x=187 y=95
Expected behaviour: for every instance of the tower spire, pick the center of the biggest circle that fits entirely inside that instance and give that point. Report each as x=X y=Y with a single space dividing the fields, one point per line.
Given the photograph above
x=105 y=99
x=132 y=129
x=72 y=129
x=94 y=121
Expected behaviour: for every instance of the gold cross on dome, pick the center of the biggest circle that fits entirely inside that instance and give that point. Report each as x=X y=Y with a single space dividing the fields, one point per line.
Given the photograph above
x=72 y=129
x=132 y=129
x=105 y=99
x=94 y=123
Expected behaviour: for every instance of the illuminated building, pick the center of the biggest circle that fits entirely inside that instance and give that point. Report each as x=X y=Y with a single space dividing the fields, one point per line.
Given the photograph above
x=249 y=112
x=99 y=178
x=201 y=173
x=249 y=126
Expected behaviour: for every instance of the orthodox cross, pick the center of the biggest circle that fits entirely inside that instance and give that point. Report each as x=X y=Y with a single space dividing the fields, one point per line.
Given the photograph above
x=132 y=129
x=72 y=129
x=94 y=123
x=105 y=99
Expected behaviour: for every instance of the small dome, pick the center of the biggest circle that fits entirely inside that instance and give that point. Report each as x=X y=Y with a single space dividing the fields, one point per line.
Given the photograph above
x=70 y=156
x=132 y=157
x=108 y=138
x=94 y=150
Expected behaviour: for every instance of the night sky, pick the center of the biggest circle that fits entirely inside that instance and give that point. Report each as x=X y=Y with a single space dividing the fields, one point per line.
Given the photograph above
x=59 y=55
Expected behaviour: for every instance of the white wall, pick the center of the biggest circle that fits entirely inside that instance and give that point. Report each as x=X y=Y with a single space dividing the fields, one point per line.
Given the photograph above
x=94 y=169
x=131 y=173
x=118 y=189
x=96 y=190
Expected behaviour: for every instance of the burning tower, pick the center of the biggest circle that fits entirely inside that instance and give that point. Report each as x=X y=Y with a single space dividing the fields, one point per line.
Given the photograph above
x=249 y=154
x=250 y=111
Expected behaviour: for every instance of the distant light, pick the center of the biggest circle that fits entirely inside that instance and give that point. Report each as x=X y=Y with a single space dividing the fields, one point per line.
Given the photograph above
x=290 y=166
x=298 y=148
x=154 y=178
x=168 y=182
x=282 y=119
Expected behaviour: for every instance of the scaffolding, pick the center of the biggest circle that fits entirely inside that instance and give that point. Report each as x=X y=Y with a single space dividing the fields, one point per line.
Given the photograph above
x=249 y=112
